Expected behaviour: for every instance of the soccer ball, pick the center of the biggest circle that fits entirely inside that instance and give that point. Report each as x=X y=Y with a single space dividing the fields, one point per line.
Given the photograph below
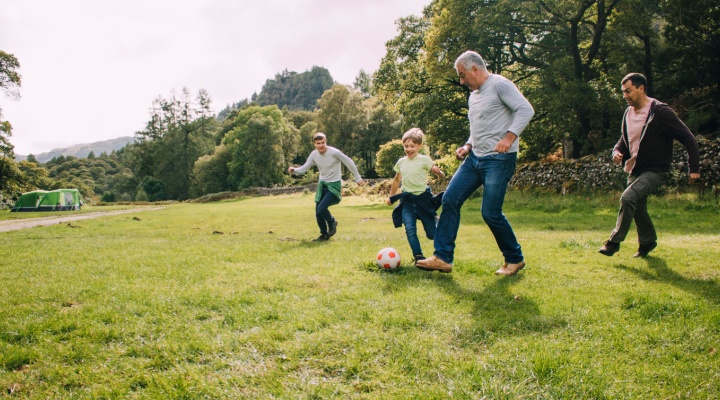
x=388 y=258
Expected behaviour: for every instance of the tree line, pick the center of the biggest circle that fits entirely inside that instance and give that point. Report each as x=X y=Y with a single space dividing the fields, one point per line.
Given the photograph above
x=567 y=56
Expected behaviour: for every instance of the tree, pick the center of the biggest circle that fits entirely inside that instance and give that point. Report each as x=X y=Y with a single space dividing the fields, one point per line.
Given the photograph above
x=341 y=115
x=689 y=62
x=211 y=173
x=552 y=49
x=383 y=126
x=387 y=156
x=261 y=145
x=9 y=84
x=180 y=131
x=295 y=91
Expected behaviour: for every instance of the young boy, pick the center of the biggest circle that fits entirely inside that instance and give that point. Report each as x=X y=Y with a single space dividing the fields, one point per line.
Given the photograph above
x=327 y=159
x=416 y=199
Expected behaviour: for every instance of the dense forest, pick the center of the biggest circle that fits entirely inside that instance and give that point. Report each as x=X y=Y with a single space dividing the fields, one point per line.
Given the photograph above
x=566 y=56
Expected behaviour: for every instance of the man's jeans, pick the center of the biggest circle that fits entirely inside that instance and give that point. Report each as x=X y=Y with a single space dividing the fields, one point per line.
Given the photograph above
x=633 y=206
x=409 y=217
x=493 y=172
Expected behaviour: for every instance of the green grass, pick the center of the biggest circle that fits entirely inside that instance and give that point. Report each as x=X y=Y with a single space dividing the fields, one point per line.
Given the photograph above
x=169 y=307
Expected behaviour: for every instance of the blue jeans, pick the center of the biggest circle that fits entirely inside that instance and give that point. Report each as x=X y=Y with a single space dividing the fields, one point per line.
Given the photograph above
x=322 y=212
x=409 y=218
x=493 y=172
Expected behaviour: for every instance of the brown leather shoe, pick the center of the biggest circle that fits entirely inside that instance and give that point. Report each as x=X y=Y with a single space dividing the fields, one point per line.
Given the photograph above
x=510 y=269
x=434 y=264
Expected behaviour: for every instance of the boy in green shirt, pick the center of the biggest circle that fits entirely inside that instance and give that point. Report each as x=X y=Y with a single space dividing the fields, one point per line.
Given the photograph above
x=416 y=199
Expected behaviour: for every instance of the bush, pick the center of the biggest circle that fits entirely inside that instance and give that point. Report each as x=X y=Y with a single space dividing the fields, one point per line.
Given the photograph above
x=387 y=156
x=108 y=197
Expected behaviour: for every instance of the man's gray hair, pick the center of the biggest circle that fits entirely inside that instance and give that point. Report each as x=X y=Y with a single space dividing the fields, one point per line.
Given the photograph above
x=469 y=59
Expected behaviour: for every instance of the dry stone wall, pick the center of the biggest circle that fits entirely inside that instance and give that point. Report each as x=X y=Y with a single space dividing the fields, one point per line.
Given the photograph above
x=593 y=173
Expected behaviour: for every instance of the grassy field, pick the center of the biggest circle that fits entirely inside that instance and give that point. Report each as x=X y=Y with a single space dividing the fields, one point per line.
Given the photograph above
x=234 y=300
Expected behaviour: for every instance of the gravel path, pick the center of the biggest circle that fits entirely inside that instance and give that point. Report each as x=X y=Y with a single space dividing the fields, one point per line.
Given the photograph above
x=14 y=225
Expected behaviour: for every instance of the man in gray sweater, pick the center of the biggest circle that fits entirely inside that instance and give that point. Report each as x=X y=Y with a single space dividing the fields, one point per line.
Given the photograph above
x=498 y=114
x=328 y=161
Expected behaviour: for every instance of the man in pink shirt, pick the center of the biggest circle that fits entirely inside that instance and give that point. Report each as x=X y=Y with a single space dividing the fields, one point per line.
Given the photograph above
x=645 y=150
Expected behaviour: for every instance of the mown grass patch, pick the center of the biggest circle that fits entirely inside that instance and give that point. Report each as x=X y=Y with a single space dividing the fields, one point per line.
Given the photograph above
x=234 y=300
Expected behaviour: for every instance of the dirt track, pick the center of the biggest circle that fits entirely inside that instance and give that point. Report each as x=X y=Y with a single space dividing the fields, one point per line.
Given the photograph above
x=14 y=225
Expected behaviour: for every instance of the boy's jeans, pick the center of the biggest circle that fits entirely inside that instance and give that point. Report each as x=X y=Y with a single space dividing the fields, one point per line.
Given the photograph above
x=322 y=213
x=493 y=172
x=409 y=218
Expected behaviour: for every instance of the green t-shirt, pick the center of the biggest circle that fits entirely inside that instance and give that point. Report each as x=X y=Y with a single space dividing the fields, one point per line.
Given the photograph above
x=414 y=173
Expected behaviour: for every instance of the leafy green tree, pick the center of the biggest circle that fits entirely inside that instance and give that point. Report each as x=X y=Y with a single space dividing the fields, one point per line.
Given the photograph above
x=551 y=48
x=689 y=62
x=306 y=144
x=383 y=126
x=180 y=130
x=261 y=144
x=211 y=173
x=10 y=81
x=363 y=84
x=341 y=115
x=387 y=156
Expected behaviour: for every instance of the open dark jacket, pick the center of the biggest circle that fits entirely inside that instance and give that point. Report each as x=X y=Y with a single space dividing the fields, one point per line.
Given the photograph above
x=656 y=141
x=425 y=203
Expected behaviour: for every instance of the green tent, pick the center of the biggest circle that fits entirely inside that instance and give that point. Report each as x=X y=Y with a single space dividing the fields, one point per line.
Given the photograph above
x=55 y=200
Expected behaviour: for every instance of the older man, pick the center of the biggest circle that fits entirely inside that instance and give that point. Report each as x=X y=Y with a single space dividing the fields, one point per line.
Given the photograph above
x=498 y=114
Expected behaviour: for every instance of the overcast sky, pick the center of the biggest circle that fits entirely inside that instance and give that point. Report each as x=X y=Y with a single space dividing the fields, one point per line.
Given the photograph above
x=92 y=68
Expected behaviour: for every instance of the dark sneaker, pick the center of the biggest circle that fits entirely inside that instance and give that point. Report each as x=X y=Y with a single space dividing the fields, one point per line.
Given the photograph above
x=333 y=228
x=644 y=249
x=322 y=238
x=609 y=248
x=418 y=257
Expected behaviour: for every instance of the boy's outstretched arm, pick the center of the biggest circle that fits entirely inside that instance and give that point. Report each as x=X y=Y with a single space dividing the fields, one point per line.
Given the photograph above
x=394 y=187
x=436 y=170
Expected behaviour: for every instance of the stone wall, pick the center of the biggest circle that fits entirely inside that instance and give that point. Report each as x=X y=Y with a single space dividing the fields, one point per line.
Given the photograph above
x=593 y=173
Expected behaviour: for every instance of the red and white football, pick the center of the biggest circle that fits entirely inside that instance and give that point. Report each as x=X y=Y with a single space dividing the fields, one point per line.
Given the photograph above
x=388 y=258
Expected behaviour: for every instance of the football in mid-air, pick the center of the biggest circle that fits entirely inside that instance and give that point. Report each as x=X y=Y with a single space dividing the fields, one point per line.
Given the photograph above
x=388 y=258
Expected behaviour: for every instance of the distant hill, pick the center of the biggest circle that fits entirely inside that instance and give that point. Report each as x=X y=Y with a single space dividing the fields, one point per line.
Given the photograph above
x=82 y=150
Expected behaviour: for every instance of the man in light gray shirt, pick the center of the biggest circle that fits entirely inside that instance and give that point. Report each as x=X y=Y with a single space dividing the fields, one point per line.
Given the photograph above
x=328 y=161
x=498 y=114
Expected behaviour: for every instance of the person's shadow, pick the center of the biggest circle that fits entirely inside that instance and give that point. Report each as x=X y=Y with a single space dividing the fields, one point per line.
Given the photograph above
x=659 y=271
x=496 y=311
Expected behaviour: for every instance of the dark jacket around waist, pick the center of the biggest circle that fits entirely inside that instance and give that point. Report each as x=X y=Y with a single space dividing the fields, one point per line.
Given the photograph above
x=425 y=204
x=656 y=142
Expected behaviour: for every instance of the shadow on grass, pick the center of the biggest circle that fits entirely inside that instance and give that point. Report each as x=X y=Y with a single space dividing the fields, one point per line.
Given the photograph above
x=496 y=311
x=659 y=271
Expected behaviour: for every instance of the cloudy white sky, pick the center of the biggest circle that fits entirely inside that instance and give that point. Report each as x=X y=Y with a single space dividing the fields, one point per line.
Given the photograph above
x=91 y=68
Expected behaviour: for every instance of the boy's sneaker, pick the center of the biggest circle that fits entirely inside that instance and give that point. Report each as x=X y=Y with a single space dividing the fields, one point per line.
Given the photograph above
x=418 y=257
x=609 y=248
x=333 y=228
x=645 y=249
x=322 y=238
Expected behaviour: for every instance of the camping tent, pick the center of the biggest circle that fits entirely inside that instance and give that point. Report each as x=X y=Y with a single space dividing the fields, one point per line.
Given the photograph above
x=55 y=200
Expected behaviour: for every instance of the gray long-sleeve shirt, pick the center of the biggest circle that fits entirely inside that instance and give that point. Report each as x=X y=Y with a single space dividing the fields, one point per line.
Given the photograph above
x=494 y=109
x=329 y=165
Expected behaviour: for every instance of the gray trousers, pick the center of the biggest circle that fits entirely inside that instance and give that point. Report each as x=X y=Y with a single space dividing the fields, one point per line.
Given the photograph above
x=633 y=206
